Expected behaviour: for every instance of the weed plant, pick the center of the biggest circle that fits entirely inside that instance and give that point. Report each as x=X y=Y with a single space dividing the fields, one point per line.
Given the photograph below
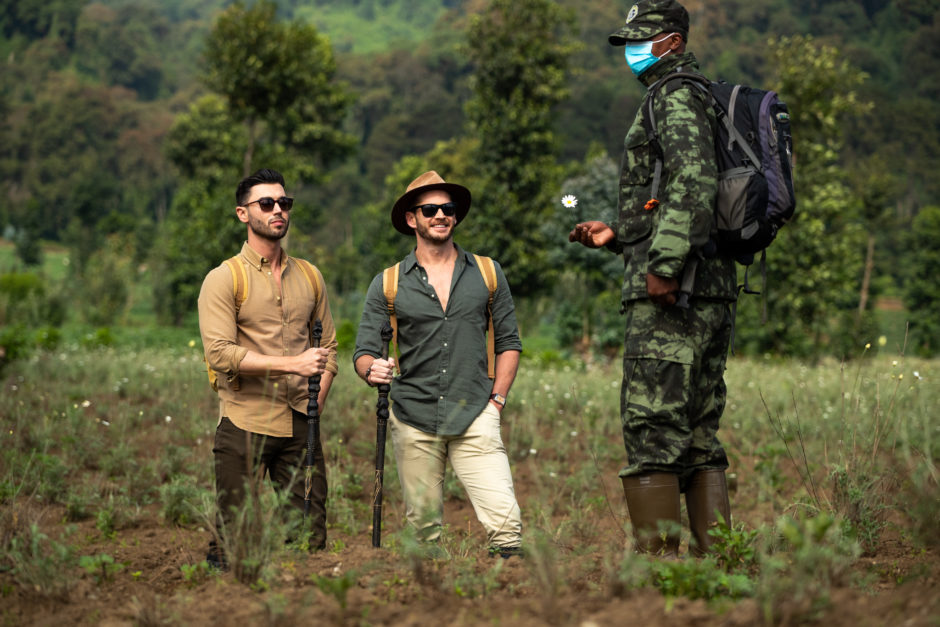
x=822 y=453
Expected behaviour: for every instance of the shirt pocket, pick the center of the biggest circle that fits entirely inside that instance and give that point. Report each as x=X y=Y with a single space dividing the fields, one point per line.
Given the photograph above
x=635 y=223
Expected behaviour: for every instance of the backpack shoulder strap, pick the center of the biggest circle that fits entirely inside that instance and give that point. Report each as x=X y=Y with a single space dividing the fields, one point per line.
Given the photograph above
x=313 y=277
x=488 y=270
x=313 y=280
x=390 y=289
x=240 y=291
x=239 y=281
x=649 y=121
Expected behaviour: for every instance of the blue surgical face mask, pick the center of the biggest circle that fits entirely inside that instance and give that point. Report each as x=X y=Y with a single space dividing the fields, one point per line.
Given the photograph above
x=640 y=55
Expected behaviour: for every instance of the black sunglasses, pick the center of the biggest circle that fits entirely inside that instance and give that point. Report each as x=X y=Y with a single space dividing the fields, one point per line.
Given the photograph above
x=267 y=204
x=430 y=211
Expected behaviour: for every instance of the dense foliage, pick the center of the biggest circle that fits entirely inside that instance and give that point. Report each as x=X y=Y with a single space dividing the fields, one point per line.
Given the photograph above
x=124 y=125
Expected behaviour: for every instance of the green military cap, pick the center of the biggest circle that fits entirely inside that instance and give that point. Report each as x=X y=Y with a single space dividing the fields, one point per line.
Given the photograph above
x=648 y=18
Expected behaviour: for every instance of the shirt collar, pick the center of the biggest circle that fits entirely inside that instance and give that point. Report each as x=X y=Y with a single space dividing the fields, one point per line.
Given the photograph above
x=412 y=260
x=256 y=260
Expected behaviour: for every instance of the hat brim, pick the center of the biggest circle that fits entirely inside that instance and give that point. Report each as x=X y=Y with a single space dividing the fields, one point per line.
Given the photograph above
x=459 y=195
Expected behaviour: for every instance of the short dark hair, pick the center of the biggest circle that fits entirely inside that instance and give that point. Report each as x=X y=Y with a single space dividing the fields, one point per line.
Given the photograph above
x=262 y=176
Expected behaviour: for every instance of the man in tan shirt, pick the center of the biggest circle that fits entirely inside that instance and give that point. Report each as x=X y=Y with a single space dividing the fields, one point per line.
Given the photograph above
x=257 y=340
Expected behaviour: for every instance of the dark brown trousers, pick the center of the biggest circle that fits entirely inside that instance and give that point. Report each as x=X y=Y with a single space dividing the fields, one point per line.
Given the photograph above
x=238 y=455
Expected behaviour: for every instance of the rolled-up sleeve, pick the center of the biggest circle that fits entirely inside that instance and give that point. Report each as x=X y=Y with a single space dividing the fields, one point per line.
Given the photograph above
x=217 y=322
x=374 y=314
x=504 y=316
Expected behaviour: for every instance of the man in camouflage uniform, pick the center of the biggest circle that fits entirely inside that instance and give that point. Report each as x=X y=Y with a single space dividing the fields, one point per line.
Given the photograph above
x=673 y=391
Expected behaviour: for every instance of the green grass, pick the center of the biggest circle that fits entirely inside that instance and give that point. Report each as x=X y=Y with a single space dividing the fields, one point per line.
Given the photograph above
x=110 y=442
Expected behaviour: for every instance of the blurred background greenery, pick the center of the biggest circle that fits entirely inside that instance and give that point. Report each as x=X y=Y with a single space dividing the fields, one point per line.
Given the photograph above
x=126 y=125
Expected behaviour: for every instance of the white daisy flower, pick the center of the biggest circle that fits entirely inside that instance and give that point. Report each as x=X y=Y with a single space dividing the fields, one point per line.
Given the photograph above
x=569 y=201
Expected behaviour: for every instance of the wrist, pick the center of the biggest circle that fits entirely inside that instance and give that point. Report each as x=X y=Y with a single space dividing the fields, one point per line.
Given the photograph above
x=498 y=399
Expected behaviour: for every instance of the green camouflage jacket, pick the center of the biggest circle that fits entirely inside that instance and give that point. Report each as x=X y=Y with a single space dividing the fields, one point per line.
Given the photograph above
x=660 y=240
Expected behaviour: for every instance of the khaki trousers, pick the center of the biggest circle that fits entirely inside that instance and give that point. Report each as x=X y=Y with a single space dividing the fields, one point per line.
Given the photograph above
x=479 y=460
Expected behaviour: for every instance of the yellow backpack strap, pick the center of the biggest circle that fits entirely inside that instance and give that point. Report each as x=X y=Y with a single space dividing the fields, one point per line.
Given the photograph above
x=488 y=270
x=239 y=281
x=312 y=276
x=313 y=279
x=390 y=289
x=240 y=291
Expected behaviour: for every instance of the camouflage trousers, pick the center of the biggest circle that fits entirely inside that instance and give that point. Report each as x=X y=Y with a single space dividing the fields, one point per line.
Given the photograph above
x=673 y=390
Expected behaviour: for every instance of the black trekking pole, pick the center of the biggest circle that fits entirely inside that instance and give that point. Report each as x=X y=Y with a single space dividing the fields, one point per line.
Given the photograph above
x=381 y=414
x=313 y=422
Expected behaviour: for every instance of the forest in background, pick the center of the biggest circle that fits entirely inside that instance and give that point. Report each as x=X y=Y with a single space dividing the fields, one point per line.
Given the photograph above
x=127 y=123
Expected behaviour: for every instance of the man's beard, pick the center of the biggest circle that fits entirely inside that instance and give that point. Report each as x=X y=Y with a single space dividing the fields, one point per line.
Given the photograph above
x=426 y=232
x=261 y=228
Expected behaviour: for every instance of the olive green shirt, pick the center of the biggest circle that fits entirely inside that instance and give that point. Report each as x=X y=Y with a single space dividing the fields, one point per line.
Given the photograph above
x=443 y=384
x=269 y=322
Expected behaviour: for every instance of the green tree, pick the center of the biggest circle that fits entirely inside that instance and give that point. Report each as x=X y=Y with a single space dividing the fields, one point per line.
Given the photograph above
x=520 y=51
x=815 y=265
x=200 y=232
x=274 y=100
x=587 y=294
x=921 y=289
x=277 y=80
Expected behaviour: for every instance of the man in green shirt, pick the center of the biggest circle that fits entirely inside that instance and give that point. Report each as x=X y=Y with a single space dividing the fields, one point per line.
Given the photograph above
x=444 y=406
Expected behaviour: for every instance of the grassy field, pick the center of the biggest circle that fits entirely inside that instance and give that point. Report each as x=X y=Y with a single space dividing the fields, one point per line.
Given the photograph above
x=106 y=490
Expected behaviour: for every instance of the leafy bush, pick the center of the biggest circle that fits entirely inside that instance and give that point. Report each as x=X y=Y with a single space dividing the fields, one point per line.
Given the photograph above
x=805 y=559
x=179 y=499
x=41 y=564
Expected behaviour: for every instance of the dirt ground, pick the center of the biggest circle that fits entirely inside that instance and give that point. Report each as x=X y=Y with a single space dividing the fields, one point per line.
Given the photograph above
x=151 y=590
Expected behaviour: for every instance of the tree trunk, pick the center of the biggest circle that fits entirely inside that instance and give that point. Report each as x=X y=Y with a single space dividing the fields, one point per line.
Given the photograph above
x=250 y=148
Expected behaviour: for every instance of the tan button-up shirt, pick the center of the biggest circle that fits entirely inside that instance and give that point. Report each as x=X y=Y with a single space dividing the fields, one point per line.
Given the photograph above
x=269 y=322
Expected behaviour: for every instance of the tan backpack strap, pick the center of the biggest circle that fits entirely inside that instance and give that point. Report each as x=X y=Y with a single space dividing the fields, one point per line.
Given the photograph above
x=239 y=281
x=390 y=289
x=488 y=270
x=312 y=276
x=313 y=279
x=240 y=292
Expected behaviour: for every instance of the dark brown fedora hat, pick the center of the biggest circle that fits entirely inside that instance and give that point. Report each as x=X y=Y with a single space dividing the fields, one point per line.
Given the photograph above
x=427 y=182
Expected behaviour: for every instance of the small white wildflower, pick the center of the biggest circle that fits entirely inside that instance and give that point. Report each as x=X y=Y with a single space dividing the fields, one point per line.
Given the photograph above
x=868 y=345
x=13 y=387
x=569 y=201
x=86 y=403
x=551 y=474
x=168 y=419
x=574 y=434
x=917 y=375
x=894 y=363
x=106 y=423
x=532 y=451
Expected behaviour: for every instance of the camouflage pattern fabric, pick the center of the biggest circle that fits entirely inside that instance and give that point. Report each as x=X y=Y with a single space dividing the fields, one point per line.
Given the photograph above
x=673 y=391
x=660 y=240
